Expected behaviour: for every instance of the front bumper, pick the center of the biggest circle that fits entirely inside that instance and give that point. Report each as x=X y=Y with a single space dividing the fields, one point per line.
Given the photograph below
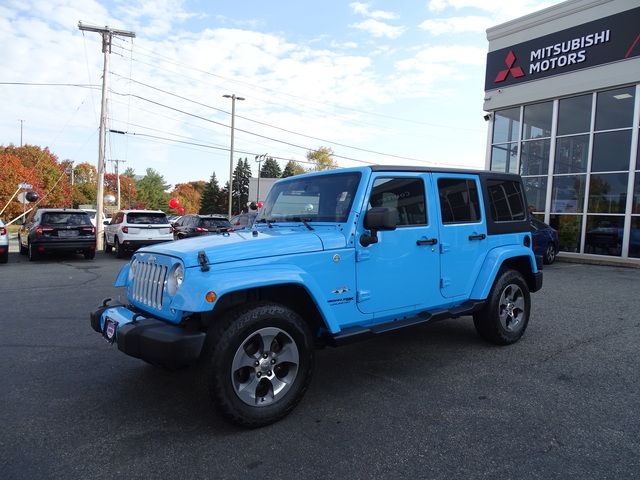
x=155 y=341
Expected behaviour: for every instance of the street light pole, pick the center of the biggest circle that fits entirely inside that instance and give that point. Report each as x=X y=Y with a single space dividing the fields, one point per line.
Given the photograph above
x=233 y=118
x=21 y=122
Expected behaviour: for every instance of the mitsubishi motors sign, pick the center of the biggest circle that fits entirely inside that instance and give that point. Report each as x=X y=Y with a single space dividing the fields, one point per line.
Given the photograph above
x=606 y=40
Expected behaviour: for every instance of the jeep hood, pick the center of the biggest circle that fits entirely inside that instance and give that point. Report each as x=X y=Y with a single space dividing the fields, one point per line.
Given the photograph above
x=244 y=245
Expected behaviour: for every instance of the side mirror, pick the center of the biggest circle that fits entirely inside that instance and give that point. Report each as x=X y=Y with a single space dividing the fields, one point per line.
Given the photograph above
x=106 y=222
x=378 y=218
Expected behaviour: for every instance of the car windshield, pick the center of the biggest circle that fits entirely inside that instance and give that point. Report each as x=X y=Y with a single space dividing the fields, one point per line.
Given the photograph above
x=65 y=218
x=322 y=198
x=147 y=218
x=214 y=223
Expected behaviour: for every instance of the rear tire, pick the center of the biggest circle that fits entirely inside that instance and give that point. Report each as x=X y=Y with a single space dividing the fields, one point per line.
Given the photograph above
x=118 y=249
x=505 y=315
x=549 y=254
x=107 y=247
x=89 y=254
x=258 y=363
x=23 y=250
x=4 y=258
x=32 y=254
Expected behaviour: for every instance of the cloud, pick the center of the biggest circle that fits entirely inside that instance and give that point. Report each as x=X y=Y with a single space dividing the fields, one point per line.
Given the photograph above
x=472 y=23
x=379 y=29
x=500 y=10
x=363 y=9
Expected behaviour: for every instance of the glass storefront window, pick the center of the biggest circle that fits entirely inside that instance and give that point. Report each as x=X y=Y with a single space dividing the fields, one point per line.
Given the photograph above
x=537 y=120
x=536 y=190
x=608 y=193
x=574 y=115
x=634 y=238
x=611 y=151
x=568 y=227
x=567 y=195
x=504 y=158
x=572 y=154
x=506 y=125
x=614 y=108
x=604 y=235
x=534 y=159
x=635 y=206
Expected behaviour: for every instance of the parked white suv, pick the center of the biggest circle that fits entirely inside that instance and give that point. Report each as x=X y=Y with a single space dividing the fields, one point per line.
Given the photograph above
x=132 y=229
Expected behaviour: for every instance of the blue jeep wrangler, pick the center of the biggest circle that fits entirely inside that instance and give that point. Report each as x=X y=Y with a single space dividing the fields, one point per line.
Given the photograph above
x=333 y=257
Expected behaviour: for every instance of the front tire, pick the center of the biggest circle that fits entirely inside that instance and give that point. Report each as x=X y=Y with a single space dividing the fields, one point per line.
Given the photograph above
x=259 y=361
x=549 y=254
x=23 y=250
x=505 y=315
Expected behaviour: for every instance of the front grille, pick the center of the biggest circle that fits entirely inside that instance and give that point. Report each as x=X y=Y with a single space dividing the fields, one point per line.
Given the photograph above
x=147 y=284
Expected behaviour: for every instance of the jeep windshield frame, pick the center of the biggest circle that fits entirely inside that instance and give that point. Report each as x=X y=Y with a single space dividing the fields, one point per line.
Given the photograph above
x=315 y=198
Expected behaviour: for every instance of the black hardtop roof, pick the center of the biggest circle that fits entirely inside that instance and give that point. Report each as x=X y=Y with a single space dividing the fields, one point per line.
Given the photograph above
x=411 y=168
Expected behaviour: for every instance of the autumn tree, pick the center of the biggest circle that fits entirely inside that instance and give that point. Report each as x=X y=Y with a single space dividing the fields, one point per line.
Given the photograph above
x=85 y=178
x=270 y=169
x=188 y=196
x=12 y=173
x=322 y=158
x=292 y=168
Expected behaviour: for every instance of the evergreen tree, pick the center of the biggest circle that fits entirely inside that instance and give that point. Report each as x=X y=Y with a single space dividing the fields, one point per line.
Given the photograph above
x=241 y=176
x=292 y=168
x=223 y=204
x=152 y=191
x=270 y=169
x=210 y=200
x=129 y=172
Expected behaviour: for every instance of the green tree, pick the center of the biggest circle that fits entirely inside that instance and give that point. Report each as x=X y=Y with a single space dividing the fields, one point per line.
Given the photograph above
x=85 y=177
x=210 y=200
x=129 y=172
x=270 y=169
x=322 y=158
x=292 y=168
x=241 y=178
x=152 y=191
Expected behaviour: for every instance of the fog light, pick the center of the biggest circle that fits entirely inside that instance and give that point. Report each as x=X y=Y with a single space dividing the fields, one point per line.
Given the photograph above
x=211 y=297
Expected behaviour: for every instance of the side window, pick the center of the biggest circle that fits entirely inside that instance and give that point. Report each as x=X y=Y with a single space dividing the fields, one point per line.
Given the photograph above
x=506 y=201
x=458 y=200
x=405 y=195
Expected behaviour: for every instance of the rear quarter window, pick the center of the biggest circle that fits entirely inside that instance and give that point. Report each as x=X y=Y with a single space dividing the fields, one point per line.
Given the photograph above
x=506 y=200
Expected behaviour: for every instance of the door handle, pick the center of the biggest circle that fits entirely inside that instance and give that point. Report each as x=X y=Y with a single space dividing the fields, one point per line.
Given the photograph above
x=429 y=241
x=482 y=236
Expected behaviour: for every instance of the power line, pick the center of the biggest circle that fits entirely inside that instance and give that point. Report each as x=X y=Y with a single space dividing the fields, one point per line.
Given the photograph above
x=41 y=84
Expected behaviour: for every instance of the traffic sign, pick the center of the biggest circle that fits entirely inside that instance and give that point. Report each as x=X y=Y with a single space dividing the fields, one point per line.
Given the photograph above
x=25 y=185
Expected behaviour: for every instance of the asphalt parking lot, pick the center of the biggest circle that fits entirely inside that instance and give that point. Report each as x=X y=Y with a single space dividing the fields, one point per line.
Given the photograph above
x=430 y=402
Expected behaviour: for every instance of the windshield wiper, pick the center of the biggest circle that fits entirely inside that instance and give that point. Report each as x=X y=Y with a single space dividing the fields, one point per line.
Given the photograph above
x=304 y=222
x=267 y=221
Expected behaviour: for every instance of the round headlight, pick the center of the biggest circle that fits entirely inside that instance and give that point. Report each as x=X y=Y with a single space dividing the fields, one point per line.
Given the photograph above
x=175 y=278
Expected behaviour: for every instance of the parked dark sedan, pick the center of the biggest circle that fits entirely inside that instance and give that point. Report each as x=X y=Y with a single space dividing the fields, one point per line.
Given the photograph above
x=197 y=225
x=545 y=240
x=57 y=230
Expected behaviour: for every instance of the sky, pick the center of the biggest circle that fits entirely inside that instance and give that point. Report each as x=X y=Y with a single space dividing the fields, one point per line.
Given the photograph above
x=386 y=82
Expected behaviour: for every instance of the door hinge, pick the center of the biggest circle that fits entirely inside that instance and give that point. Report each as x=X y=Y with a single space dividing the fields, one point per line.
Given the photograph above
x=362 y=255
x=445 y=282
x=444 y=247
x=362 y=295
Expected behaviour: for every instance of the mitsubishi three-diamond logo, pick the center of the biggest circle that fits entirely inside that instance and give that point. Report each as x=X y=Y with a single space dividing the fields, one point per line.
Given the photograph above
x=516 y=72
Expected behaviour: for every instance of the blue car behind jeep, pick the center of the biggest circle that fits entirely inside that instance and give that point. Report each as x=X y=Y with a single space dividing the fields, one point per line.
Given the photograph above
x=334 y=257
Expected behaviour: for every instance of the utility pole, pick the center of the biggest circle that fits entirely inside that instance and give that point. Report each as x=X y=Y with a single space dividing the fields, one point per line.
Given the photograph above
x=233 y=118
x=21 y=122
x=259 y=158
x=107 y=34
x=117 y=162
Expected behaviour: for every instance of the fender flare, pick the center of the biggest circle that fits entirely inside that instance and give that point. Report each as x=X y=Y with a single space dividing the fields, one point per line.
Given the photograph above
x=492 y=264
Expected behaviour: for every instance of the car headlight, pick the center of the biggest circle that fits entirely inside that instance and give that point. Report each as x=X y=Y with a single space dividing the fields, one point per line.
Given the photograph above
x=175 y=279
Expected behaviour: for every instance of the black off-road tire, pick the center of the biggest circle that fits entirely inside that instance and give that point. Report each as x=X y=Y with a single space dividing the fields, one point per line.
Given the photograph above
x=225 y=338
x=493 y=322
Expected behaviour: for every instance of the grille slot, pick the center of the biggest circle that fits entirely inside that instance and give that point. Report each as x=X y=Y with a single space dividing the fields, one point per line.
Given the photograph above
x=148 y=283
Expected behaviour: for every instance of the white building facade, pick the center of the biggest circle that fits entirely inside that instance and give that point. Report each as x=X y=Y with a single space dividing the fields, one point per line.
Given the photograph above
x=562 y=96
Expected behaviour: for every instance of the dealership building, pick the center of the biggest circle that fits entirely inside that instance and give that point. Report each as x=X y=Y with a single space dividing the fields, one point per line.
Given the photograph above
x=562 y=96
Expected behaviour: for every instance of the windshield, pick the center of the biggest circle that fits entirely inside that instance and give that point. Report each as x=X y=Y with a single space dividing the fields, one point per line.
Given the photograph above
x=64 y=218
x=147 y=218
x=323 y=198
x=214 y=223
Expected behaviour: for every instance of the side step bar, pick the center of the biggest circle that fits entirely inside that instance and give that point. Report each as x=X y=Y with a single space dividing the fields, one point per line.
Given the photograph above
x=354 y=334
